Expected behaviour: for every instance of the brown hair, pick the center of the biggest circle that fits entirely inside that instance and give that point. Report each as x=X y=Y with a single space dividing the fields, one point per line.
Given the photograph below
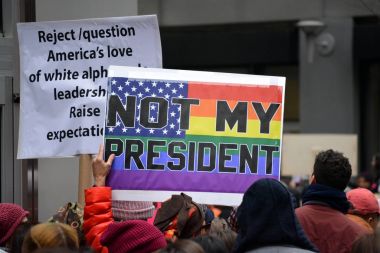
x=369 y=243
x=50 y=235
x=366 y=243
x=220 y=229
x=332 y=169
x=183 y=246
x=54 y=250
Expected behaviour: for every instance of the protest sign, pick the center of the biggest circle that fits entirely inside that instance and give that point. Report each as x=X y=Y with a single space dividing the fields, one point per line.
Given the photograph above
x=63 y=66
x=208 y=134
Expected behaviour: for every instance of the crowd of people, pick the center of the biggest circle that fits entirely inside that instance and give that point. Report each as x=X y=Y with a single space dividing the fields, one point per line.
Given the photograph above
x=269 y=219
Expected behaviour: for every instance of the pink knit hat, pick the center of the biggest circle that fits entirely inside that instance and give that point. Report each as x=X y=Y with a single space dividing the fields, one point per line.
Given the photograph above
x=363 y=201
x=11 y=215
x=133 y=236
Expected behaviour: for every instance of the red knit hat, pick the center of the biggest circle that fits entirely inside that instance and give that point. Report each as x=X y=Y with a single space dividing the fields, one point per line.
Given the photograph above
x=363 y=201
x=132 y=236
x=11 y=215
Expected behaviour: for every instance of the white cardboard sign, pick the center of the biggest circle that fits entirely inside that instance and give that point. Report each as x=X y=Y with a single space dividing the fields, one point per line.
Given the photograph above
x=63 y=66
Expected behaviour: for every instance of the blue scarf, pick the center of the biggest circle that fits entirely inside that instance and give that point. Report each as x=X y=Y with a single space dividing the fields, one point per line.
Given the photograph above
x=322 y=194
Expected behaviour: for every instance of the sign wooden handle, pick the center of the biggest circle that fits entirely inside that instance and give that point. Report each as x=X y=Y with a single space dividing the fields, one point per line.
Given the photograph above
x=85 y=176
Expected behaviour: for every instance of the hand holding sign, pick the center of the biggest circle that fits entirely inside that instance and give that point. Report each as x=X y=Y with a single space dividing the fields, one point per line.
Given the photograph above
x=101 y=168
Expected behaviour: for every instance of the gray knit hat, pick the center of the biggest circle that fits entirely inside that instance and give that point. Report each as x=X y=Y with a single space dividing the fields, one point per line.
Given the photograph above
x=132 y=210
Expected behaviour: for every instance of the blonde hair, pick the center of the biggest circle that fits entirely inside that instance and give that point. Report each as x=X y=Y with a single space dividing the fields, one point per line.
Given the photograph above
x=50 y=235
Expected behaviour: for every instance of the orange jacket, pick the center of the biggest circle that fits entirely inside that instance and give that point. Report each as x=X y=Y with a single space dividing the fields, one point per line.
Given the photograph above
x=97 y=216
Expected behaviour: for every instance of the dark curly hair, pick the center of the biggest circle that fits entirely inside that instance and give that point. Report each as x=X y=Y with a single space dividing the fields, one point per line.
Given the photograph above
x=331 y=168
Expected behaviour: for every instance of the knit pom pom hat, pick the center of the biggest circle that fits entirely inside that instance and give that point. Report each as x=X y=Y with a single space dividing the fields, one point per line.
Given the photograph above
x=11 y=215
x=132 y=236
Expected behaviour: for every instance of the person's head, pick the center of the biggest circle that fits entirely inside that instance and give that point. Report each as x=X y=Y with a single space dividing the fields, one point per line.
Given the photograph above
x=266 y=217
x=71 y=214
x=132 y=210
x=132 y=236
x=208 y=218
x=211 y=244
x=50 y=235
x=228 y=237
x=64 y=250
x=180 y=217
x=17 y=239
x=365 y=205
x=183 y=246
x=331 y=169
x=54 y=250
x=220 y=229
x=375 y=163
x=365 y=243
x=364 y=181
x=232 y=220
x=11 y=216
x=219 y=225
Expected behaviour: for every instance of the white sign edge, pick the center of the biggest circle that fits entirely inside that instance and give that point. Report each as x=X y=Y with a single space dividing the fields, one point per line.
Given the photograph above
x=211 y=198
x=194 y=76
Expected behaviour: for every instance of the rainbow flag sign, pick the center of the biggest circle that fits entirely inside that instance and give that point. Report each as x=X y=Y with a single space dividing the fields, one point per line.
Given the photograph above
x=208 y=134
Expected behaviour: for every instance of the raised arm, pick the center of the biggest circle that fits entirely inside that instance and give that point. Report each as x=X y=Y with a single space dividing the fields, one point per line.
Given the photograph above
x=97 y=211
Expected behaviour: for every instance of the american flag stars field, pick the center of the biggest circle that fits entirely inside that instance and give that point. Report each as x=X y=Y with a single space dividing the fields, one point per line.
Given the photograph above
x=124 y=87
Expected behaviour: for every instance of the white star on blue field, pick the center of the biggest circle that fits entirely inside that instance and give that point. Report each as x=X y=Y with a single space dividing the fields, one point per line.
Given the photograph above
x=124 y=87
